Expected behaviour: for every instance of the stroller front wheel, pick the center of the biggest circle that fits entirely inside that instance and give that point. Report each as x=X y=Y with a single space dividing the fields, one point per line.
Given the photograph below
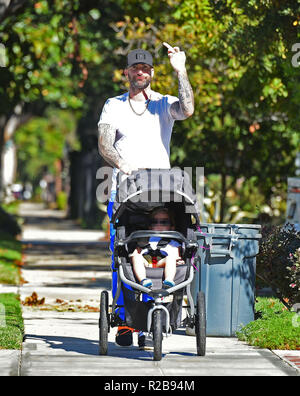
x=200 y=324
x=157 y=335
x=103 y=324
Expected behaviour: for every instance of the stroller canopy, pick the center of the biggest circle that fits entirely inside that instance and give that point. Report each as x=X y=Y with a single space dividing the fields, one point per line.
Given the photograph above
x=147 y=189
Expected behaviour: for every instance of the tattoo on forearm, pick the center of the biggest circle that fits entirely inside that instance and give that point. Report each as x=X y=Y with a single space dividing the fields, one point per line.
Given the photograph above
x=185 y=93
x=185 y=106
x=107 y=135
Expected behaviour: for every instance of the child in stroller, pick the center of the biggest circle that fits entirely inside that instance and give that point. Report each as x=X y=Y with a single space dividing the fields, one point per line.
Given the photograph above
x=167 y=257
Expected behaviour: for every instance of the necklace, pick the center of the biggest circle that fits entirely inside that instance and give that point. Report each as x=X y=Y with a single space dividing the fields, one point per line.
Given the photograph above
x=139 y=114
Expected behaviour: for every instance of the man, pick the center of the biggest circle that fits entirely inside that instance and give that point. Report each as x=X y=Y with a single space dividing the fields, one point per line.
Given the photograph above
x=135 y=131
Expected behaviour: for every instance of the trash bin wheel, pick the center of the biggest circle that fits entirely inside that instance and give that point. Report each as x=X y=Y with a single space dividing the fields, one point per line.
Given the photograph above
x=157 y=334
x=200 y=324
x=103 y=324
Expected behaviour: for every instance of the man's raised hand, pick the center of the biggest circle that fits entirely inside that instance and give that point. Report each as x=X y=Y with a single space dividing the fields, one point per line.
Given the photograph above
x=177 y=58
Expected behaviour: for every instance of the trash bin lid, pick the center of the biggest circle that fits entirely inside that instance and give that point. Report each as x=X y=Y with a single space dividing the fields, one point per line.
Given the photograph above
x=242 y=231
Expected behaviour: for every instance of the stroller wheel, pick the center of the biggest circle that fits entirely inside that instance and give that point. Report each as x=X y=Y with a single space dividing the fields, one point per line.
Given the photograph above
x=200 y=324
x=103 y=324
x=157 y=334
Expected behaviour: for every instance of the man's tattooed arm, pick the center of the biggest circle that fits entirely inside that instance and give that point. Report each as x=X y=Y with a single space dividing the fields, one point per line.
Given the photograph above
x=107 y=135
x=184 y=108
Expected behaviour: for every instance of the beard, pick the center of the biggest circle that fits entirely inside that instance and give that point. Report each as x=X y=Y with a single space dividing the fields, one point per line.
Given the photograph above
x=136 y=84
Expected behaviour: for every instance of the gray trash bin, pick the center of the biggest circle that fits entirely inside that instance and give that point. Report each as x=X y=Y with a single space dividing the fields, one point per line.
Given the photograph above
x=226 y=273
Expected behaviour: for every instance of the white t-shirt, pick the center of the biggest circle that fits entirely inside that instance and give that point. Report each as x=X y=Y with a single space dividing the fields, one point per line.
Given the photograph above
x=142 y=141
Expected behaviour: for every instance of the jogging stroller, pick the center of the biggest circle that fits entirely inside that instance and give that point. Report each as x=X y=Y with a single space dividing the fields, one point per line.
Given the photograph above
x=161 y=311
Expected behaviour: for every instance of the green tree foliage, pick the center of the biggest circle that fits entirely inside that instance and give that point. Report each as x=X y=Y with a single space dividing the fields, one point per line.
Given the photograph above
x=246 y=122
x=37 y=41
x=58 y=53
x=42 y=141
x=239 y=62
x=278 y=262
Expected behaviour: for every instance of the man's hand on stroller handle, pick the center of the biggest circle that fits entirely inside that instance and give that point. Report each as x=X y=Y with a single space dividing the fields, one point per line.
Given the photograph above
x=126 y=168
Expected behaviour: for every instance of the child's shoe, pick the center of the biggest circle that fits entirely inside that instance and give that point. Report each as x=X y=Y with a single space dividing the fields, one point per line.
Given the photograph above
x=146 y=283
x=167 y=284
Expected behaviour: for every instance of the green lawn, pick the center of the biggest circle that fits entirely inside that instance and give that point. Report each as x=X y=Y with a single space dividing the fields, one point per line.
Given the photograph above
x=11 y=322
x=276 y=328
x=10 y=259
x=12 y=208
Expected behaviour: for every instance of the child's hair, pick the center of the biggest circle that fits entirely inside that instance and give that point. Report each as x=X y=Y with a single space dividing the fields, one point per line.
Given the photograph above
x=164 y=210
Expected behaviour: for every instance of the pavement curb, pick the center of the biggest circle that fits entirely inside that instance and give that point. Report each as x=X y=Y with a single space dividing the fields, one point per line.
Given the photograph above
x=291 y=357
x=10 y=360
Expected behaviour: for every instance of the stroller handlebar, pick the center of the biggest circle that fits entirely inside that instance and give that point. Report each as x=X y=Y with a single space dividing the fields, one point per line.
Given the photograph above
x=162 y=234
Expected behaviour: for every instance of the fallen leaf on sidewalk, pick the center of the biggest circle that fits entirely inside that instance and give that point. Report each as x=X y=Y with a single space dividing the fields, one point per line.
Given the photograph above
x=89 y=308
x=33 y=300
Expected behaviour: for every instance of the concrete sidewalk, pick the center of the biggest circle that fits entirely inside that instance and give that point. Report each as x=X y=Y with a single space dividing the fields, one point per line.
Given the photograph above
x=70 y=276
x=67 y=344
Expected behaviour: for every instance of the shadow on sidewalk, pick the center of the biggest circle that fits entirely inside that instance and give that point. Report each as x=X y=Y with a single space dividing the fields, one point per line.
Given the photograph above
x=86 y=347
x=42 y=224
x=66 y=248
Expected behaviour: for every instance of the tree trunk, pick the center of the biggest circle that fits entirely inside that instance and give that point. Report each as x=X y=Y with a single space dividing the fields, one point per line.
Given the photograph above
x=10 y=7
x=58 y=176
x=82 y=202
x=2 y=142
x=8 y=126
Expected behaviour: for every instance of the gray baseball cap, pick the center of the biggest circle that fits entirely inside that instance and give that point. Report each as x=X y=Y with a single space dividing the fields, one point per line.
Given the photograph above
x=139 y=56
